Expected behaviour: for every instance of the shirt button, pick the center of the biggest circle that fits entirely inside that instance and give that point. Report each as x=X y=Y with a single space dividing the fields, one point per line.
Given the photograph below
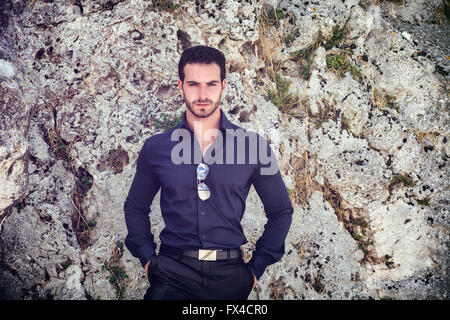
x=203 y=213
x=204 y=237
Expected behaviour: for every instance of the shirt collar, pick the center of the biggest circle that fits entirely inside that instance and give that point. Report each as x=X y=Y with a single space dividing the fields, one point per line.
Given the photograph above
x=224 y=122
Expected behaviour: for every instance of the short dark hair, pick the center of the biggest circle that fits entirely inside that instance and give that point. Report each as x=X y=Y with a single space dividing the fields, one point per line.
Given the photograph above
x=202 y=54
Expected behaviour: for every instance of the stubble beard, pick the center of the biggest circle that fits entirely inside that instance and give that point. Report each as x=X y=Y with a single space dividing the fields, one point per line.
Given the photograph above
x=189 y=105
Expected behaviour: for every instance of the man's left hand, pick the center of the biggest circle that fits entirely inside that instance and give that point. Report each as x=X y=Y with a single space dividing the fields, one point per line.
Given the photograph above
x=256 y=280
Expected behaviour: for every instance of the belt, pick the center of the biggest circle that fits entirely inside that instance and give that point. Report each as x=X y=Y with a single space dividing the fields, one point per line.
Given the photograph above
x=203 y=254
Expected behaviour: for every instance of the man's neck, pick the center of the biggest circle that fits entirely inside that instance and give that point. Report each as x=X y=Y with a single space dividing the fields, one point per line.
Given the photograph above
x=205 y=129
x=211 y=122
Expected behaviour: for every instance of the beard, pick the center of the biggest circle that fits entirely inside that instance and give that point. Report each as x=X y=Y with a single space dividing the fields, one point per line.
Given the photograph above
x=203 y=112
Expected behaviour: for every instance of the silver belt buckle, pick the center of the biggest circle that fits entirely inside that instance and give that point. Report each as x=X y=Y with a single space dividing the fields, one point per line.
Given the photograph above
x=207 y=255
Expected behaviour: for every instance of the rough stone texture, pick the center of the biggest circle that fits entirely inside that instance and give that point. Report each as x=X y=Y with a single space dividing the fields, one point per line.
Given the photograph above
x=16 y=99
x=365 y=158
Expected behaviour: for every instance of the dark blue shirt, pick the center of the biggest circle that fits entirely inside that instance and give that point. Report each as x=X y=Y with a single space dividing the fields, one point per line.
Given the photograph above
x=215 y=223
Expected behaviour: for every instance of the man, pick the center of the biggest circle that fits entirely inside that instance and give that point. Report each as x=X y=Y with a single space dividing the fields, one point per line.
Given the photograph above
x=203 y=201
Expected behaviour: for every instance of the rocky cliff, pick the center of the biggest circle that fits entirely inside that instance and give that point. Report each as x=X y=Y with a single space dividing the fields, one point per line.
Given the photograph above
x=352 y=95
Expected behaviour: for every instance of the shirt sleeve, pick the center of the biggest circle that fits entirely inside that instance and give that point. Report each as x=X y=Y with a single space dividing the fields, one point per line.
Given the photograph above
x=145 y=185
x=271 y=189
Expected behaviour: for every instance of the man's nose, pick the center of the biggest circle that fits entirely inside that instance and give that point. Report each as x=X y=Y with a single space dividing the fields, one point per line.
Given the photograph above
x=203 y=92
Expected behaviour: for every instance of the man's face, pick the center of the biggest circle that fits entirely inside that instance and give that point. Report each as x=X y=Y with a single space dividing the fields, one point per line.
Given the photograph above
x=202 y=88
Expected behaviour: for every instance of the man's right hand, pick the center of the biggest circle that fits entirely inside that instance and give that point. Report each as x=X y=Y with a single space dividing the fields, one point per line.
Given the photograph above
x=146 y=268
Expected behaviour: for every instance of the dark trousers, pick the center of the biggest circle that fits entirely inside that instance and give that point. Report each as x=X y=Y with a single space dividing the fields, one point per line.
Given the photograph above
x=175 y=277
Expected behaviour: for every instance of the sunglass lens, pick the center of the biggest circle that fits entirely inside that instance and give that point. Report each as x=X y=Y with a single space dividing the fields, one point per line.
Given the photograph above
x=203 y=191
x=202 y=171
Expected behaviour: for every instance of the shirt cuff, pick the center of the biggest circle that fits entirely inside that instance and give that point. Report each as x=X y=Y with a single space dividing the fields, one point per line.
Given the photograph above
x=145 y=253
x=258 y=265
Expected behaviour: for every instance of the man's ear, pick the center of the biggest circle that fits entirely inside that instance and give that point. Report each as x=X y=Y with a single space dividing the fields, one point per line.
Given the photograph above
x=180 y=86
x=224 y=84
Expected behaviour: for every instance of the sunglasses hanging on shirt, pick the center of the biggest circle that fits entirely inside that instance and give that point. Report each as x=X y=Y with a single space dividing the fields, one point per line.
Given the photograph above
x=202 y=188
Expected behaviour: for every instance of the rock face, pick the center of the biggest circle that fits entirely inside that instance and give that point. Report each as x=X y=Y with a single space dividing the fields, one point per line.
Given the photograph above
x=351 y=95
x=14 y=119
